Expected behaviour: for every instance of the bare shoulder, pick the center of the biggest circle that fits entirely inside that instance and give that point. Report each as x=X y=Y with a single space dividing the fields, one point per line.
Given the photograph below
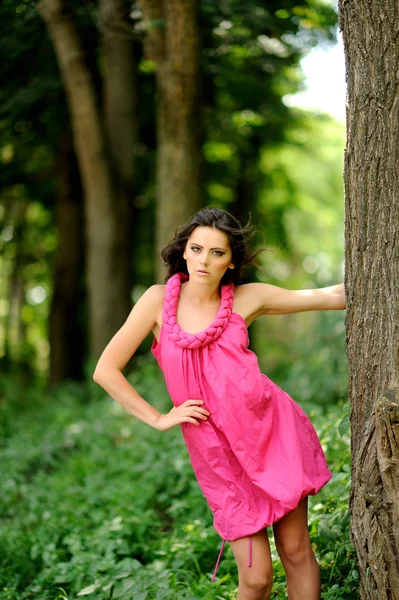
x=247 y=290
x=152 y=301
x=247 y=301
x=146 y=312
x=143 y=319
x=154 y=294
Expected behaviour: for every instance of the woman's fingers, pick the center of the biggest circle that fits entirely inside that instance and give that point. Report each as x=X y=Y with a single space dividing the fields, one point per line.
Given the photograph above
x=198 y=414
x=190 y=420
x=196 y=404
x=201 y=414
x=190 y=411
x=192 y=402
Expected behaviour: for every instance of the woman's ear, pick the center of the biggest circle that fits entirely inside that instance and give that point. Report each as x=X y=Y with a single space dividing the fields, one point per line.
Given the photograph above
x=231 y=266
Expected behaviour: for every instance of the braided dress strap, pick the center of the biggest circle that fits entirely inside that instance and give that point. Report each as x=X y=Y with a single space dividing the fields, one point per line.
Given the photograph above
x=203 y=338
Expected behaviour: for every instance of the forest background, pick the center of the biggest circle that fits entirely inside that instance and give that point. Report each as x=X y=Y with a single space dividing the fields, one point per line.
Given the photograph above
x=93 y=503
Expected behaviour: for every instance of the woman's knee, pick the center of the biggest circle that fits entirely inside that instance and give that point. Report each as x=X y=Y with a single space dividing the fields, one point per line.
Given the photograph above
x=257 y=585
x=295 y=551
x=255 y=581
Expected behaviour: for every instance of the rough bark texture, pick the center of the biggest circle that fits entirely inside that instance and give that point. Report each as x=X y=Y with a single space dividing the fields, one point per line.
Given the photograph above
x=174 y=45
x=121 y=123
x=371 y=33
x=66 y=334
x=104 y=273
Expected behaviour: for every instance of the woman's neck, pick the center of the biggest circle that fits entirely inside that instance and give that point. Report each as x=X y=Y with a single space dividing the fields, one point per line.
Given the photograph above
x=198 y=293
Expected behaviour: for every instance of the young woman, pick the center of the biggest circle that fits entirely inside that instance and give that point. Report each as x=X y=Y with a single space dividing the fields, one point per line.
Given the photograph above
x=254 y=451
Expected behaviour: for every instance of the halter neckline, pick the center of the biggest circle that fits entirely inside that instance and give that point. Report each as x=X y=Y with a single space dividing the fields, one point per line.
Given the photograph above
x=203 y=338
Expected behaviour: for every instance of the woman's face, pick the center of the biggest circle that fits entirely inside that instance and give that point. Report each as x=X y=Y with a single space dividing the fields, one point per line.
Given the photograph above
x=208 y=254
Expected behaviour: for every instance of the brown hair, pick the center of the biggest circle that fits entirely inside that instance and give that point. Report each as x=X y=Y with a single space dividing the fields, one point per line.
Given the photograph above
x=239 y=238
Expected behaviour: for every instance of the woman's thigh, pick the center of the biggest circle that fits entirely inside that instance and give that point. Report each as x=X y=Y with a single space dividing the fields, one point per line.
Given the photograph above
x=261 y=569
x=291 y=533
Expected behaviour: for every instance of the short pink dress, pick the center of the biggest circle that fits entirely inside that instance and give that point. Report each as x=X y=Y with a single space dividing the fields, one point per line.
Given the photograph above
x=258 y=454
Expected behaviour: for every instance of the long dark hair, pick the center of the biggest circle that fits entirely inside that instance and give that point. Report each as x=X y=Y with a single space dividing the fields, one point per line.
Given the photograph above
x=239 y=238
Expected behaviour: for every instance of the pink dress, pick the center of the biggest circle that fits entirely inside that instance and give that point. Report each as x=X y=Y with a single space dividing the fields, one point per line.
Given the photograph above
x=258 y=454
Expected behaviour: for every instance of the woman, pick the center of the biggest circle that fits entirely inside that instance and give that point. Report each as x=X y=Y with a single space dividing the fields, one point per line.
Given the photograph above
x=254 y=451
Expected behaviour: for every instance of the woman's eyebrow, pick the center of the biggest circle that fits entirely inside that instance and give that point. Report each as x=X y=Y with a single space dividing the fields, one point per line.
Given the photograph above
x=199 y=246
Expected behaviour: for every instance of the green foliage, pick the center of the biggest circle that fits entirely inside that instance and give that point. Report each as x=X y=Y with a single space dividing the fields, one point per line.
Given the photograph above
x=97 y=504
x=305 y=354
x=303 y=193
x=301 y=205
x=250 y=59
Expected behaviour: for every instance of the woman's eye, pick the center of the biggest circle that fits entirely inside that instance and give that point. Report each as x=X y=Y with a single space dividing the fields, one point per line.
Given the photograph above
x=197 y=250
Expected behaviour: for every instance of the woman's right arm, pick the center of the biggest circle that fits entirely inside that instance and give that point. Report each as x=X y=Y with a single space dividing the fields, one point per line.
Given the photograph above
x=123 y=345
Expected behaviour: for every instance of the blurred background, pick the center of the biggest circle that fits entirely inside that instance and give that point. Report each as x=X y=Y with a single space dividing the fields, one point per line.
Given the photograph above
x=267 y=148
x=118 y=120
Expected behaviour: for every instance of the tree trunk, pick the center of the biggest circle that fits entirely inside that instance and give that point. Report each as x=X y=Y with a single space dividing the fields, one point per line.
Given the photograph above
x=370 y=31
x=67 y=339
x=105 y=279
x=174 y=45
x=248 y=178
x=15 y=333
x=121 y=120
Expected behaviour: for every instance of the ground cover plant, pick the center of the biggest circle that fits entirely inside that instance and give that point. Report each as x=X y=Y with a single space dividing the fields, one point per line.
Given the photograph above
x=96 y=504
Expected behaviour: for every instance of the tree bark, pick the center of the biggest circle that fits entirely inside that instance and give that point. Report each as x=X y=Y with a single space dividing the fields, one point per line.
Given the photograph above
x=67 y=347
x=370 y=32
x=248 y=177
x=104 y=274
x=121 y=121
x=174 y=45
x=15 y=332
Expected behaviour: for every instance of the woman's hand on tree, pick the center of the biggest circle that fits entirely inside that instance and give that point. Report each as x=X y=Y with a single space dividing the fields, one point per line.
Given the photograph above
x=341 y=296
x=191 y=411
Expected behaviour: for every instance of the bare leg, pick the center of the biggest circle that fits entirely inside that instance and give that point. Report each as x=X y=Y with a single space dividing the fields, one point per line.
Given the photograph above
x=254 y=582
x=293 y=545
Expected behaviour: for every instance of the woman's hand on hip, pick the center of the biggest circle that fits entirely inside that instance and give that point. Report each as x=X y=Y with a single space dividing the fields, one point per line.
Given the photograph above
x=191 y=411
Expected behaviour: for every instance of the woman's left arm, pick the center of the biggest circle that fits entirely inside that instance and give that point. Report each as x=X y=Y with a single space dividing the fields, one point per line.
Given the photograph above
x=273 y=300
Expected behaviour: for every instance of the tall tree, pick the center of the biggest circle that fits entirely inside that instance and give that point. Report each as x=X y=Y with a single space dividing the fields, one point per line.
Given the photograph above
x=120 y=110
x=370 y=30
x=15 y=335
x=249 y=55
x=105 y=273
x=67 y=350
x=173 y=43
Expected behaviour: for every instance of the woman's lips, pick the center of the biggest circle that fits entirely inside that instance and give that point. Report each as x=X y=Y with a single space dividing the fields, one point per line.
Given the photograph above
x=202 y=272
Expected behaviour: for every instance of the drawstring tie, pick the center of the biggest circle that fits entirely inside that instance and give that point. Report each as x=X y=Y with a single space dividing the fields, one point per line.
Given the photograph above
x=221 y=552
x=218 y=560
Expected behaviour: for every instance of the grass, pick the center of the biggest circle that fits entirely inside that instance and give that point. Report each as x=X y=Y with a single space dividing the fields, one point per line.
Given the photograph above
x=97 y=504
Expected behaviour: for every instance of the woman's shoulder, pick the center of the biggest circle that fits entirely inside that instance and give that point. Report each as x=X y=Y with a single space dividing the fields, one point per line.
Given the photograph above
x=152 y=301
x=154 y=294
x=152 y=298
x=246 y=290
x=246 y=301
x=242 y=288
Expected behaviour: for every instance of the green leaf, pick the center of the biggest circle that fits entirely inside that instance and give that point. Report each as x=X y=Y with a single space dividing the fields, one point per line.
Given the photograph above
x=126 y=587
x=89 y=590
x=162 y=594
x=140 y=596
x=344 y=426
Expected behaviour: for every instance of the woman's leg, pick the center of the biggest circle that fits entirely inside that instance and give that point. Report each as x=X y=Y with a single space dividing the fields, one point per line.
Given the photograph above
x=254 y=582
x=293 y=545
